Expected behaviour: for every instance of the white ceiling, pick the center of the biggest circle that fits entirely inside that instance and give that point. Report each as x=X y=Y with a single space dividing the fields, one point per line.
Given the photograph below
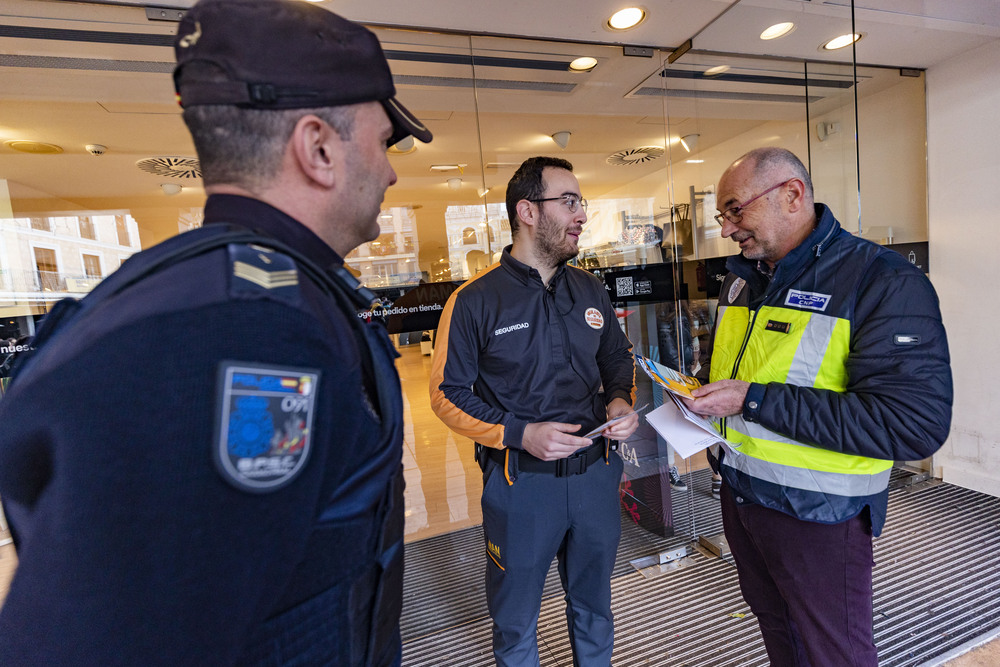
x=900 y=33
x=73 y=92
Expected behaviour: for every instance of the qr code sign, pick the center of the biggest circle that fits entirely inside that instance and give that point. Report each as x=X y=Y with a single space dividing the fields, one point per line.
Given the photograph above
x=623 y=286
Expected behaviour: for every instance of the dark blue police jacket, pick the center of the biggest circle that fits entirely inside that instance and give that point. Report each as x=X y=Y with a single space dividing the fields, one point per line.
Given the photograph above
x=202 y=465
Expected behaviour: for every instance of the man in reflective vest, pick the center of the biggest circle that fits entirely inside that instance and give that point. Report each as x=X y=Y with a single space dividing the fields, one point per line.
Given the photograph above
x=830 y=362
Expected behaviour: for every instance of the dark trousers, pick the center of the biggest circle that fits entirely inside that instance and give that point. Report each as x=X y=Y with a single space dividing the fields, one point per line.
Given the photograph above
x=809 y=584
x=526 y=525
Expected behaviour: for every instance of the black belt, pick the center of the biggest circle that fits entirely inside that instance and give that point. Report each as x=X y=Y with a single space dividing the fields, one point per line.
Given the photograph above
x=576 y=464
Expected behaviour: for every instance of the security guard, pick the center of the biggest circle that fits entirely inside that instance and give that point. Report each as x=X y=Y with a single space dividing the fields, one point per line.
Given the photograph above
x=201 y=461
x=523 y=352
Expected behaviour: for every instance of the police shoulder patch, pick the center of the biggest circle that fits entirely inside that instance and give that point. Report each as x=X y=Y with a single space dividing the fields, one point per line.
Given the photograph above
x=263 y=424
x=255 y=268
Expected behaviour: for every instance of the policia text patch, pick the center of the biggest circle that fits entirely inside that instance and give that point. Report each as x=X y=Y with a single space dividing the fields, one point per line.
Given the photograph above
x=264 y=418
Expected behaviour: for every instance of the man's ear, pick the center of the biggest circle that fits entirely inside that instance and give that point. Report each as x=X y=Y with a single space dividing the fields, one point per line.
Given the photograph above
x=526 y=213
x=315 y=147
x=796 y=195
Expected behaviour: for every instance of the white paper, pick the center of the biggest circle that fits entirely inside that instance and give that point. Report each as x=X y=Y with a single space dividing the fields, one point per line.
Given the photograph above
x=600 y=429
x=686 y=437
x=597 y=431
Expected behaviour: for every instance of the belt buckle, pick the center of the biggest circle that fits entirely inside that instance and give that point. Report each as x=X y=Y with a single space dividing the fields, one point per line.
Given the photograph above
x=572 y=465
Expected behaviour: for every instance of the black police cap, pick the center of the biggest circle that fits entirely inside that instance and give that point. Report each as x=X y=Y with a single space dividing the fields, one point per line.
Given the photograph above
x=285 y=54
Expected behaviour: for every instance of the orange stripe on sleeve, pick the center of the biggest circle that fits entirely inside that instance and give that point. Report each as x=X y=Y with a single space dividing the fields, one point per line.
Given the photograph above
x=454 y=417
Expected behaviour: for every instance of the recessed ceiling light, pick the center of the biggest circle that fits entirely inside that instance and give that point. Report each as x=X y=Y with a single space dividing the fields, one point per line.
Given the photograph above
x=841 y=42
x=35 y=147
x=777 y=30
x=693 y=161
x=404 y=146
x=626 y=18
x=717 y=70
x=583 y=64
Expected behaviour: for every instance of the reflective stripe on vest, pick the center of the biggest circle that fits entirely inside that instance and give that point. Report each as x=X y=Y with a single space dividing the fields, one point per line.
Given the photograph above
x=801 y=348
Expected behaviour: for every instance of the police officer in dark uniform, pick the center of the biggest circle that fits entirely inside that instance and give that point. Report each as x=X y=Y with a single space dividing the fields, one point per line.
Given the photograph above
x=201 y=461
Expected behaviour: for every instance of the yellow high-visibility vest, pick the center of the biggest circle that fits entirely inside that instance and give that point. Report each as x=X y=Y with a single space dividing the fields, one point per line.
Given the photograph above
x=805 y=349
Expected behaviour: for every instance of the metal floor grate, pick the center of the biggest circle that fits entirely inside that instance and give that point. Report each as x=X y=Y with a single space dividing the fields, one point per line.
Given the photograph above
x=937 y=585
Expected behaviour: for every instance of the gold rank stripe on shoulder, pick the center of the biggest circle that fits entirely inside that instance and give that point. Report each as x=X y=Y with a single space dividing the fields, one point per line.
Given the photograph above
x=264 y=278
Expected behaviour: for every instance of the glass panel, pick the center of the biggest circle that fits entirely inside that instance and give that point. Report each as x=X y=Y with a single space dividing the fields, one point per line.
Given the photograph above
x=892 y=139
x=833 y=148
x=648 y=139
x=434 y=211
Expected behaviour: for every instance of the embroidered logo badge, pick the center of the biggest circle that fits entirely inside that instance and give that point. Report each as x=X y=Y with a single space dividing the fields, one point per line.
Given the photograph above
x=263 y=422
x=594 y=318
x=808 y=300
x=736 y=288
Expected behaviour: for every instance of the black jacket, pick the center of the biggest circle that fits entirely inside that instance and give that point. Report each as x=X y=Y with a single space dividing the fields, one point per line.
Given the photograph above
x=137 y=545
x=511 y=351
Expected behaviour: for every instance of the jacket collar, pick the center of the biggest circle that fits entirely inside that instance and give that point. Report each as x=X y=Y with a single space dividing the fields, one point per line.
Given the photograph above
x=827 y=229
x=264 y=218
x=524 y=273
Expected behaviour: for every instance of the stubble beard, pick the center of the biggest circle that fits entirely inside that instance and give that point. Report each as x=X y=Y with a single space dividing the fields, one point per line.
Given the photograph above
x=552 y=241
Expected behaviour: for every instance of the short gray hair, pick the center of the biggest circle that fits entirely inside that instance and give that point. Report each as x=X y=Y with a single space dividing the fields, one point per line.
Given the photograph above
x=245 y=146
x=771 y=158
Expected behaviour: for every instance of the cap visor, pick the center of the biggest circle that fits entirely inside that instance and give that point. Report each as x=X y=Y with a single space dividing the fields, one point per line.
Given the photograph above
x=404 y=123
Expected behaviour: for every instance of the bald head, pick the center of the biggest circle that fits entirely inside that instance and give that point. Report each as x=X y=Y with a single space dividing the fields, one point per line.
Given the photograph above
x=766 y=197
x=772 y=165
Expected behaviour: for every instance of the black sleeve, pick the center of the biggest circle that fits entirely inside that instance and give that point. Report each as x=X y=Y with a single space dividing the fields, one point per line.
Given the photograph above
x=897 y=405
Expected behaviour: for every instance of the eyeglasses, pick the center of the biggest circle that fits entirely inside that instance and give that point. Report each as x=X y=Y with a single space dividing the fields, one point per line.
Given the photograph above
x=572 y=202
x=735 y=214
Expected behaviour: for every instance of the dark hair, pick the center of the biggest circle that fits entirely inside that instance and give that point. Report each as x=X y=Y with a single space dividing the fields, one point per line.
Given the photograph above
x=245 y=146
x=526 y=183
x=772 y=158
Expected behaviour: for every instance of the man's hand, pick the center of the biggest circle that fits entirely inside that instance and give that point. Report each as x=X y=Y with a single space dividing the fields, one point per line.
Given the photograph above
x=549 y=441
x=626 y=427
x=719 y=399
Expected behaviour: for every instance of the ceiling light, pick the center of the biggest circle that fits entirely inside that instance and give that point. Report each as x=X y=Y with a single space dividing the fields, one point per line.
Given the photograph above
x=483 y=192
x=626 y=18
x=689 y=142
x=454 y=183
x=693 y=161
x=404 y=146
x=583 y=64
x=562 y=138
x=447 y=167
x=35 y=147
x=841 y=42
x=171 y=189
x=717 y=70
x=777 y=30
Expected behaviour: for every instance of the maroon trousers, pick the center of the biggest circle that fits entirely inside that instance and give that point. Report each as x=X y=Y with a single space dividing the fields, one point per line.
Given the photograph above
x=809 y=584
